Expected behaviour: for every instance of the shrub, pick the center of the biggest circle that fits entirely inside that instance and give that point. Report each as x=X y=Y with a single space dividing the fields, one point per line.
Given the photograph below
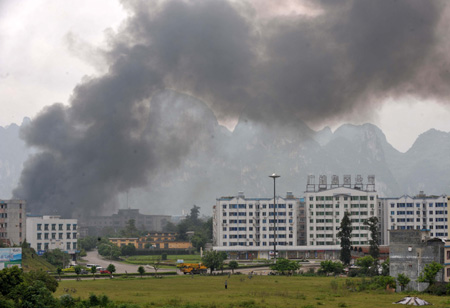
x=438 y=288
x=164 y=256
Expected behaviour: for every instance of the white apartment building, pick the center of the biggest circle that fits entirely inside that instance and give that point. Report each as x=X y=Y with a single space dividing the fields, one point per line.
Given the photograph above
x=420 y=212
x=52 y=232
x=246 y=225
x=12 y=222
x=327 y=203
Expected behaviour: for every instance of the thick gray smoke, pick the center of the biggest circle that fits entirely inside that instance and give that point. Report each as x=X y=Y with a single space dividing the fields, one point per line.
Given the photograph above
x=278 y=69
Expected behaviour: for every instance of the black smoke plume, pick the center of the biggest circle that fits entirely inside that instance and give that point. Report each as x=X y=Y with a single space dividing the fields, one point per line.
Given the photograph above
x=283 y=68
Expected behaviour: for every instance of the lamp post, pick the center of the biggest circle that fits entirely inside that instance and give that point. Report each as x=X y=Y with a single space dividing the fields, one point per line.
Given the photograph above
x=274 y=177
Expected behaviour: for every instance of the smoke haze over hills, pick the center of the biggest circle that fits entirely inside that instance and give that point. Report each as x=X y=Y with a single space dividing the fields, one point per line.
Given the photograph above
x=125 y=131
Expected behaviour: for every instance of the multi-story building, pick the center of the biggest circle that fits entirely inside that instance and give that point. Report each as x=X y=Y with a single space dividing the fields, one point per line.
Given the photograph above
x=12 y=222
x=101 y=225
x=246 y=225
x=52 y=232
x=327 y=203
x=420 y=212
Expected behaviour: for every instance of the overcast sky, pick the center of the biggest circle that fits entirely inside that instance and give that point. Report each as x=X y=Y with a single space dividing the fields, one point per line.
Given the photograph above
x=47 y=47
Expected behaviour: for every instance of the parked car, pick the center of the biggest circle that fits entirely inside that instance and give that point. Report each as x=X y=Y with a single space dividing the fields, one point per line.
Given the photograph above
x=105 y=272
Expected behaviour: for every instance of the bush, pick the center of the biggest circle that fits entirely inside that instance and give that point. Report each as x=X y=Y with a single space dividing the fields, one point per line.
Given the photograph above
x=164 y=256
x=66 y=300
x=438 y=288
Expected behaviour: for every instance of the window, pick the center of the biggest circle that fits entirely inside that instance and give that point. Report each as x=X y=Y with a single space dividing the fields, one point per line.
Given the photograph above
x=68 y=227
x=39 y=236
x=39 y=246
x=46 y=227
x=45 y=246
x=68 y=234
x=46 y=236
x=60 y=236
x=39 y=227
x=74 y=236
x=68 y=246
x=53 y=227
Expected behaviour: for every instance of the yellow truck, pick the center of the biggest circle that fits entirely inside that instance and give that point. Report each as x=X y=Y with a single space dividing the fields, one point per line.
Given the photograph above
x=192 y=268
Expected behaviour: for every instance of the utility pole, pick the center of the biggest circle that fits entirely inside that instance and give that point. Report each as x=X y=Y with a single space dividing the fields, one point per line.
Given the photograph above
x=274 y=177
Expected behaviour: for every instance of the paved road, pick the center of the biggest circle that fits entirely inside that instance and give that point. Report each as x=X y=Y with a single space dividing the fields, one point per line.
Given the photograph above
x=94 y=258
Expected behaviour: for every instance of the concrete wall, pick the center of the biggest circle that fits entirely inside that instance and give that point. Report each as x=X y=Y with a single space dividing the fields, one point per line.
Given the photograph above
x=410 y=251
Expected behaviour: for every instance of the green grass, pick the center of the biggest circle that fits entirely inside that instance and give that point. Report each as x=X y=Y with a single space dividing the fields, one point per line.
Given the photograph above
x=260 y=291
x=142 y=260
x=32 y=262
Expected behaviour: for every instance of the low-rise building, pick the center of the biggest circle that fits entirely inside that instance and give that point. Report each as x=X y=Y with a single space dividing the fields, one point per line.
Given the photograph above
x=52 y=232
x=12 y=222
x=157 y=240
x=410 y=251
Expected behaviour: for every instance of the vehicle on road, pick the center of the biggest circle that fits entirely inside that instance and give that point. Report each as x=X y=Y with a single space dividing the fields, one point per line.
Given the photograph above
x=192 y=268
x=105 y=272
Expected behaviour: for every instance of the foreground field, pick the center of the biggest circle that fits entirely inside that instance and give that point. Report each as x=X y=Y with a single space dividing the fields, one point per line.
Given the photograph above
x=260 y=291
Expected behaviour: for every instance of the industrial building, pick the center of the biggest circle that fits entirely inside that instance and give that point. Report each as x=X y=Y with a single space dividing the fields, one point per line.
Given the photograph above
x=12 y=222
x=102 y=225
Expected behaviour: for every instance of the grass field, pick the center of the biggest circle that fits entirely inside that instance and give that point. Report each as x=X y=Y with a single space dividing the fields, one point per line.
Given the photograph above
x=260 y=291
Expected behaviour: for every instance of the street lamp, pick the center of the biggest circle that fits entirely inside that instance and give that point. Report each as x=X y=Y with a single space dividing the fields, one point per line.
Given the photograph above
x=274 y=177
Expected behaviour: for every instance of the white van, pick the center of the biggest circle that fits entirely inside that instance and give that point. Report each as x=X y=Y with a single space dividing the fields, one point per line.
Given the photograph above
x=92 y=265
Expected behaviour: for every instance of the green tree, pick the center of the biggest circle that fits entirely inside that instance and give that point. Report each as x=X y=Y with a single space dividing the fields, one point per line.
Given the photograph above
x=213 y=259
x=385 y=267
x=55 y=257
x=195 y=213
x=40 y=275
x=403 y=281
x=141 y=270
x=111 y=268
x=36 y=295
x=344 y=235
x=374 y=242
x=429 y=273
x=128 y=250
x=365 y=263
x=88 y=243
x=59 y=271
x=109 y=250
x=78 y=271
x=93 y=271
x=233 y=265
x=285 y=266
x=9 y=279
x=130 y=229
x=329 y=267
x=198 y=241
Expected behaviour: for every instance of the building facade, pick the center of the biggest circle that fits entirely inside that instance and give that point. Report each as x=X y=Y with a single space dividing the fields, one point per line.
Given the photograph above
x=157 y=240
x=410 y=251
x=52 y=232
x=12 y=222
x=420 y=212
x=327 y=203
x=248 y=224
